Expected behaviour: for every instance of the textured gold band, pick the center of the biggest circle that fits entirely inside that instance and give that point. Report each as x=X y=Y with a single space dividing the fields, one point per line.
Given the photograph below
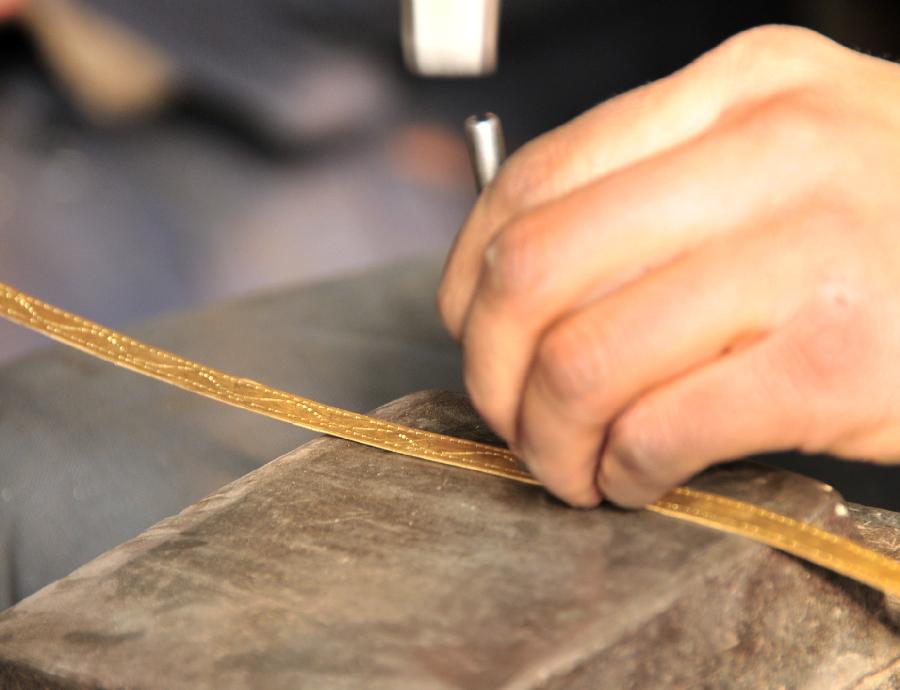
x=797 y=538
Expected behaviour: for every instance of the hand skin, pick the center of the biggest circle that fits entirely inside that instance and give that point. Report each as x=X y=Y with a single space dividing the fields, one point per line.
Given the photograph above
x=704 y=268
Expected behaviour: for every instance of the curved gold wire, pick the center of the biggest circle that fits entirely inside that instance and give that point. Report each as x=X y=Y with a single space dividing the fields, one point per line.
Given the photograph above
x=800 y=539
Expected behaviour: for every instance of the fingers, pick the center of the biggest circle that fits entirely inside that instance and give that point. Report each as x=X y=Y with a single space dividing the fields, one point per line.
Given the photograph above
x=739 y=405
x=594 y=363
x=806 y=386
x=601 y=140
x=610 y=232
x=626 y=129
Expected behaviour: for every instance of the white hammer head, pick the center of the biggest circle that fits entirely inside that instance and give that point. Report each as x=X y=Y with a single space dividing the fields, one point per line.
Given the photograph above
x=450 y=38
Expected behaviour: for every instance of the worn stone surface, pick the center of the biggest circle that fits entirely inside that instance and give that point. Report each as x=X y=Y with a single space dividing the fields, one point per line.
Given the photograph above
x=341 y=566
x=92 y=455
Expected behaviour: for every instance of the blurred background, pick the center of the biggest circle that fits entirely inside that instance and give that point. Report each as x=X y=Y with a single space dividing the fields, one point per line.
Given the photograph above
x=161 y=154
x=156 y=155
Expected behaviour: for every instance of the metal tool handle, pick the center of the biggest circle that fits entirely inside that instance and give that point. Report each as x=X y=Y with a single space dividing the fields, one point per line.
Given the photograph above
x=487 y=149
x=450 y=38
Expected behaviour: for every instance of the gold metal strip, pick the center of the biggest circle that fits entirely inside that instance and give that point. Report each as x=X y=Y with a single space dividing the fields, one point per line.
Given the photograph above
x=246 y=394
x=781 y=532
x=792 y=536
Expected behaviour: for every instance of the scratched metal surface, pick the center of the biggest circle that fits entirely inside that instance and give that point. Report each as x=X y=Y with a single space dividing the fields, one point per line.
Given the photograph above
x=342 y=566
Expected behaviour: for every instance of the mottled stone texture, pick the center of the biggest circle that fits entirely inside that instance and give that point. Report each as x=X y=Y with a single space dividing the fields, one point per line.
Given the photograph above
x=339 y=566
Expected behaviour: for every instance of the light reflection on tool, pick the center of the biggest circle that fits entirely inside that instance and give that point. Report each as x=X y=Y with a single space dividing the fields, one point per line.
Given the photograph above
x=487 y=148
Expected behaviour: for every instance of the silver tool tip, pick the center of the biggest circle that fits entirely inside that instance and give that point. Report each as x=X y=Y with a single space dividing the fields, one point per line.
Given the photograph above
x=487 y=149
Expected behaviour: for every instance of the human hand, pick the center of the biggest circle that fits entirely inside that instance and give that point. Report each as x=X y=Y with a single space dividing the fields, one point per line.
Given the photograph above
x=701 y=269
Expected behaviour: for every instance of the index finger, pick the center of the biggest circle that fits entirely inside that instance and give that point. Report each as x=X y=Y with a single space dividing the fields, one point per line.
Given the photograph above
x=618 y=133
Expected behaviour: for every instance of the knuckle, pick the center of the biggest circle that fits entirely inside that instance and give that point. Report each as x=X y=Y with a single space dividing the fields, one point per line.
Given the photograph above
x=526 y=179
x=795 y=121
x=638 y=443
x=772 y=42
x=572 y=362
x=514 y=185
x=771 y=53
x=513 y=261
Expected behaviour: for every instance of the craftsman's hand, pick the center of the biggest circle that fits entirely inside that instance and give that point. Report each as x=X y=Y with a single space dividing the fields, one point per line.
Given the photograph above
x=704 y=268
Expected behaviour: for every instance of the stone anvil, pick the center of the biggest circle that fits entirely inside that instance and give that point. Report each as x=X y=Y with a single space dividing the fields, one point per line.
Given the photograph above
x=341 y=566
